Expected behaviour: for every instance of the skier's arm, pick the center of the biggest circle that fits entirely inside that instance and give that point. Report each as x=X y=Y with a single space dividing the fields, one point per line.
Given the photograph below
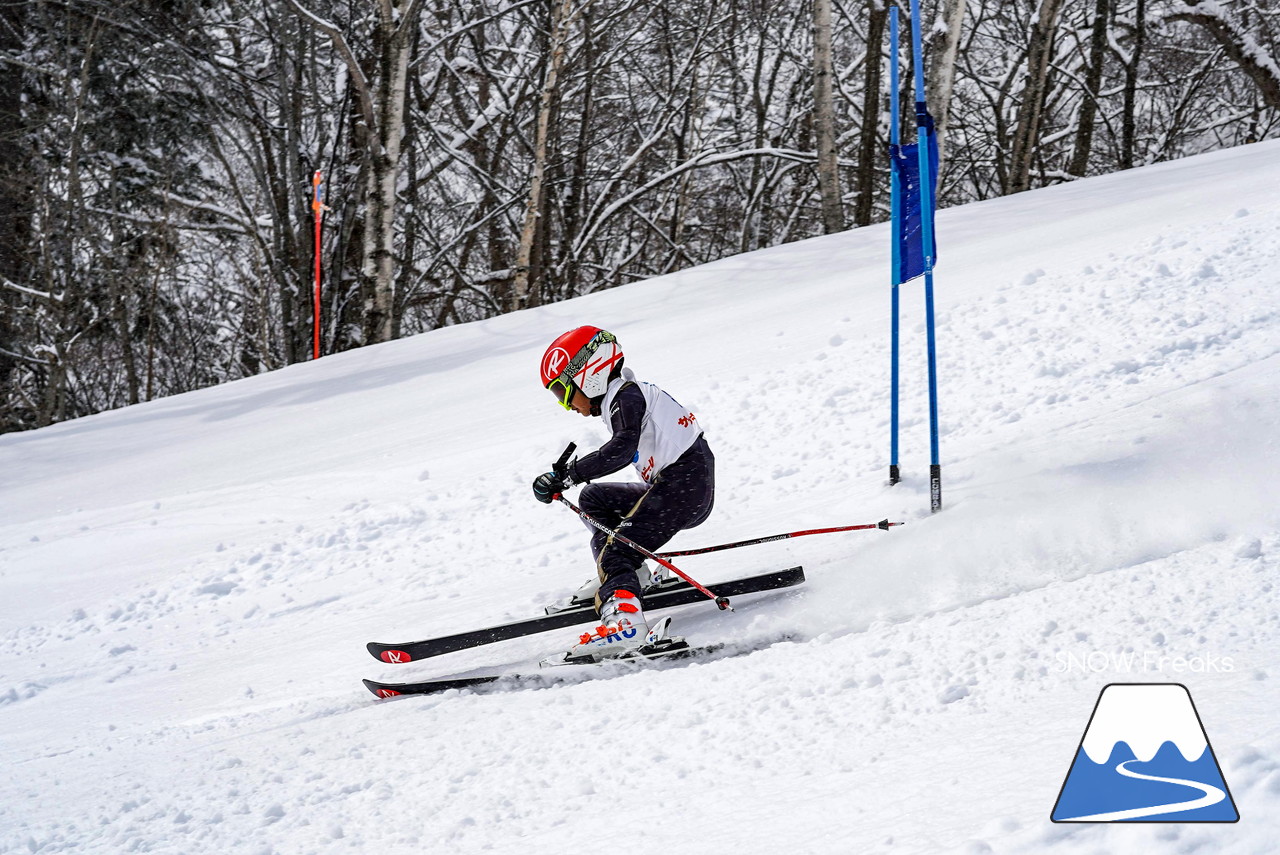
x=625 y=415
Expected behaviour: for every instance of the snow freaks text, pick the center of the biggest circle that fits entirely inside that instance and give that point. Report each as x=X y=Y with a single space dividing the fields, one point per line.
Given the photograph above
x=1140 y=662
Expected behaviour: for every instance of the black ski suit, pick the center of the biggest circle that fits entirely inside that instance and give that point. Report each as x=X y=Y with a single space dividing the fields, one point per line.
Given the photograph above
x=675 y=496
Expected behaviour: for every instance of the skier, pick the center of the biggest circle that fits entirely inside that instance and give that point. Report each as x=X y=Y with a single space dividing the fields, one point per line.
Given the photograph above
x=584 y=370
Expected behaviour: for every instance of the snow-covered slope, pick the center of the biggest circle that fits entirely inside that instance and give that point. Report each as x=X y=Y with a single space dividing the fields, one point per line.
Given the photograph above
x=186 y=586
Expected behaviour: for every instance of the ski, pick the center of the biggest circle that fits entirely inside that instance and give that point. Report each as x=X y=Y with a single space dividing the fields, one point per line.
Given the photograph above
x=433 y=687
x=668 y=648
x=674 y=595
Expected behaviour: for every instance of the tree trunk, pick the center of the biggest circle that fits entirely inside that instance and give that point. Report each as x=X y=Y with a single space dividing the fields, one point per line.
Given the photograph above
x=15 y=184
x=561 y=18
x=1129 y=122
x=824 y=119
x=290 y=213
x=15 y=197
x=869 y=135
x=1089 y=98
x=578 y=182
x=940 y=76
x=120 y=293
x=1026 y=134
x=380 y=191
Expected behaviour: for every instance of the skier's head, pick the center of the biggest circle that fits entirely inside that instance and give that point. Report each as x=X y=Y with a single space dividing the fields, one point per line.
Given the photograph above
x=582 y=360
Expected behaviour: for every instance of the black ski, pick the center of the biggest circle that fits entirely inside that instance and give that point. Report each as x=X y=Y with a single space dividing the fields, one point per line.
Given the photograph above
x=432 y=687
x=676 y=595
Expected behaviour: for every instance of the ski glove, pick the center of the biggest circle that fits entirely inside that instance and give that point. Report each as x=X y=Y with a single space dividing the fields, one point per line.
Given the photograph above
x=547 y=485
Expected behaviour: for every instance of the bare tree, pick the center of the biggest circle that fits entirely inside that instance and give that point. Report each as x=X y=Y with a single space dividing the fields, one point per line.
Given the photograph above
x=381 y=95
x=16 y=201
x=562 y=19
x=1026 y=134
x=944 y=46
x=870 y=145
x=1132 y=67
x=1254 y=59
x=155 y=158
x=824 y=119
x=1091 y=94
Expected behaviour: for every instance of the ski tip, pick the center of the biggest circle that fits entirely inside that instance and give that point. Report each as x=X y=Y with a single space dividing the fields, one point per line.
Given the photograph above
x=379 y=691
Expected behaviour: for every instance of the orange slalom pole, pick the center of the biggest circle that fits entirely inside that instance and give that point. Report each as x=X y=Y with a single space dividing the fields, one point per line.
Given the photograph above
x=317 y=212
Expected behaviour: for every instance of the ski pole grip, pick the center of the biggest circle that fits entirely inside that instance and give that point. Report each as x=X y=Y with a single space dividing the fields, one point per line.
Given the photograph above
x=562 y=464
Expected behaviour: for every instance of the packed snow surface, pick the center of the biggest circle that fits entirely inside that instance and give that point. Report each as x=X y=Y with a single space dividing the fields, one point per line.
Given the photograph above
x=187 y=585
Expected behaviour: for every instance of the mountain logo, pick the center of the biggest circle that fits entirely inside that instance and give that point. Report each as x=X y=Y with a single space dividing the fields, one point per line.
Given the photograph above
x=1145 y=757
x=395 y=657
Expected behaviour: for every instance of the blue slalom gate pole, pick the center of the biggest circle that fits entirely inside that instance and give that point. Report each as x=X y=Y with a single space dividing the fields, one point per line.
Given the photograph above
x=926 y=228
x=895 y=190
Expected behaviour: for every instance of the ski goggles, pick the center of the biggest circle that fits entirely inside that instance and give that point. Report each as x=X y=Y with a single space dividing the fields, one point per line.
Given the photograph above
x=563 y=390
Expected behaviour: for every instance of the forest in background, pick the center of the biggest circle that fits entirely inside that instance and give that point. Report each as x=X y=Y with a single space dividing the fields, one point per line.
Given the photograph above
x=482 y=156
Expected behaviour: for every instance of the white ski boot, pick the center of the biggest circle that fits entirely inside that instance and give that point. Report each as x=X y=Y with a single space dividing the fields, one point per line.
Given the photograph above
x=623 y=632
x=586 y=593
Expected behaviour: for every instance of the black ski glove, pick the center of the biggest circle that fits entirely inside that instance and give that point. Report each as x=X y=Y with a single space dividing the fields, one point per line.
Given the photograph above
x=547 y=486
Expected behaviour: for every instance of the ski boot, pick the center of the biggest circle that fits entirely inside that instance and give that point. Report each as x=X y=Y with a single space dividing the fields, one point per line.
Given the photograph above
x=623 y=633
x=586 y=593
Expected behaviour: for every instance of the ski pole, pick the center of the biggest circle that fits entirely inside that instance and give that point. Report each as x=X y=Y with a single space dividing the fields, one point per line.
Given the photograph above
x=883 y=525
x=722 y=602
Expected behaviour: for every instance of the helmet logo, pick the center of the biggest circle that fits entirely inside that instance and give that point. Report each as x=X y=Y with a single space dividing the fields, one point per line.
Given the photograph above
x=554 y=362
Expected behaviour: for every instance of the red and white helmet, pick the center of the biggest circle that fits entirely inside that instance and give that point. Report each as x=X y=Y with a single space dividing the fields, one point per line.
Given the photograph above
x=582 y=359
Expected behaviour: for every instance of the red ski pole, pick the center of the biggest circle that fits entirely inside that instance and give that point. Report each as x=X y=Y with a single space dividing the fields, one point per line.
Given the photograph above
x=883 y=525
